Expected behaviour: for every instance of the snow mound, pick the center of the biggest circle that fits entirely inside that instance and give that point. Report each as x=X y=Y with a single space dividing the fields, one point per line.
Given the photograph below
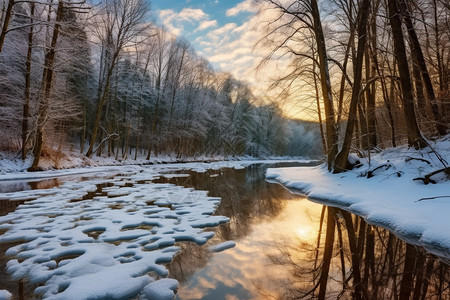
x=385 y=191
x=5 y=295
x=222 y=246
x=161 y=290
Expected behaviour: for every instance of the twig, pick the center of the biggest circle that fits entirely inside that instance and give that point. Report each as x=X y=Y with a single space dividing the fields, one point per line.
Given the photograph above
x=431 y=198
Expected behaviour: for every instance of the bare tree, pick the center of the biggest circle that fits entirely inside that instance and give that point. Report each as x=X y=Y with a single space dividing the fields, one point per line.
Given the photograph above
x=415 y=138
x=306 y=15
x=27 y=94
x=117 y=27
x=47 y=82
x=342 y=157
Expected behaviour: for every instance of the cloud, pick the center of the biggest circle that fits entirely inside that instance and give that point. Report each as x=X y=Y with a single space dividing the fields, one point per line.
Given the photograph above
x=175 y=22
x=245 y=6
x=206 y=24
x=191 y=14
x=168 y=17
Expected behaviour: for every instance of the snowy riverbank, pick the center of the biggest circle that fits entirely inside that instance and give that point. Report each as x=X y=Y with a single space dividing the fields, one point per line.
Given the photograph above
x=390 y=198
x=69 y=163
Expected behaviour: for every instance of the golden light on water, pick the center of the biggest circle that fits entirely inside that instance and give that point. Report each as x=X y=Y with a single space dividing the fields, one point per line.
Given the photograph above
x=304 y=232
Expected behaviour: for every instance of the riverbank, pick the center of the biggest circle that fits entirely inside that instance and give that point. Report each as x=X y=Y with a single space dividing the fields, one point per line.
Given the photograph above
x=12 y=163
x=69 y=163
x=388 y=191
x=16 y=171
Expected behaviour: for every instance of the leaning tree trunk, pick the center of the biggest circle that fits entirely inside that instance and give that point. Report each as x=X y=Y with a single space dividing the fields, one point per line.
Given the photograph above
x=417 y=54
x=47 y=82
x=342 y=157
x=415 y=138
x=331 y=134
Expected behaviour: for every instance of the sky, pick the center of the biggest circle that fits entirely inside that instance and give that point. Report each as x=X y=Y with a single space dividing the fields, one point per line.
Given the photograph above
x=226 y=33
x=223 y=32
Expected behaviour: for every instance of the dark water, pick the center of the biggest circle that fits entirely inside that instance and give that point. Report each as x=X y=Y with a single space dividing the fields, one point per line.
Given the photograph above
x=289 y=248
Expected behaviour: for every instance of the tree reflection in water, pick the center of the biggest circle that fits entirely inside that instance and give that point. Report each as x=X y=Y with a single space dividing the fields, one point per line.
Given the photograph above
x=345 y=259
x=359 y=261
x=245 y=198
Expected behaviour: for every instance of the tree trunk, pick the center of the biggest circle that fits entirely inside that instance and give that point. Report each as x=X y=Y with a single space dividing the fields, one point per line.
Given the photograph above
x=5 y=24
x=417 y=54
x=415 y=138
x=127 y=142
x=328 y=252
x=319 y=112
x=342 y=157
x=26 y=104
x=100 y=103
x=331 y=134
x=371 y=96
x=47 y=84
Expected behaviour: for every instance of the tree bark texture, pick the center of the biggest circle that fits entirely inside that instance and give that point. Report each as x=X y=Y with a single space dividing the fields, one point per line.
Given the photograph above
x=415 y=138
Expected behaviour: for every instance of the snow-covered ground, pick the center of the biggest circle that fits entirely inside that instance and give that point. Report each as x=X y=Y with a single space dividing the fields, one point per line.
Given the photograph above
x=107 y=245
x=11 y=163
x=390 y=197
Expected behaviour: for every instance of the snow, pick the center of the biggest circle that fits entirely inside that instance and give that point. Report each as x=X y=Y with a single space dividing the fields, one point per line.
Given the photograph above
x=106 y=246
x=15 y=169
x=5 y=295
x=11 y=165
x=391 y=198
x=222 y=246
x=161 y=289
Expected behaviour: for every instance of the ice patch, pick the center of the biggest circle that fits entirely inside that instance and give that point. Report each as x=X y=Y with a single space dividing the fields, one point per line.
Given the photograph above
x=161 y=290
x=222 y=246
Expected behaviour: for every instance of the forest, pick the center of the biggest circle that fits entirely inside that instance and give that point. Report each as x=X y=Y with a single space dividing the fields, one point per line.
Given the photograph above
x=379 y=70
x=104 y=80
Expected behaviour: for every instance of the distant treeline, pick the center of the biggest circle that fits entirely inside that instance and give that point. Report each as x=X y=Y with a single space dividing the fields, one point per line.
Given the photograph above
x=104 y=81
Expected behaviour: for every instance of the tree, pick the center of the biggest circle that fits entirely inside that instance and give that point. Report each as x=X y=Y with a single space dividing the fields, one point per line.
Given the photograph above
x=307 y=14
x=121 y=22
x=419 y=62
x=47 y=82
x=415 y=138
x=342 y=157
x=27 y=93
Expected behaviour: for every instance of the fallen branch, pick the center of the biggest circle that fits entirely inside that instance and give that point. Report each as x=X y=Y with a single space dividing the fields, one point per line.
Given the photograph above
x=109 y=136
x=370 y=173
x=431 y=198
x=409 y=158
x=427 y=178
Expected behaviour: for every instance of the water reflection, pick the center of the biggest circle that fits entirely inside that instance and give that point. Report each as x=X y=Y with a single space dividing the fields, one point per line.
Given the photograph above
x=246 y=197
x=259 y=213
x=289 y=248
x=355 y=260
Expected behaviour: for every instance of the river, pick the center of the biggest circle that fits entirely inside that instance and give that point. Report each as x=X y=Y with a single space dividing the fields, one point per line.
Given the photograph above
x=286 y=247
